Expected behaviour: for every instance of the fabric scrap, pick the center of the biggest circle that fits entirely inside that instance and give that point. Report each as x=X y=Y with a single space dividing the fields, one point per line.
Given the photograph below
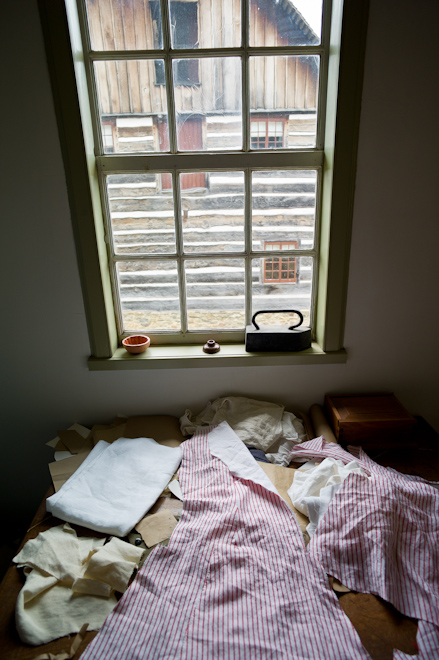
x=116 y=485
x=260 y=424
x=114 y=563
x=58 y=594
x=313 y=488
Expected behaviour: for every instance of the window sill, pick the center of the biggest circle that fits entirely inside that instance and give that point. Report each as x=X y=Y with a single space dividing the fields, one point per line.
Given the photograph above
x=230 y=355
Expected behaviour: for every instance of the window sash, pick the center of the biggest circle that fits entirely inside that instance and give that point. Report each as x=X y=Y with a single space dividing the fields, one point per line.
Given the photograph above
x=246 y=160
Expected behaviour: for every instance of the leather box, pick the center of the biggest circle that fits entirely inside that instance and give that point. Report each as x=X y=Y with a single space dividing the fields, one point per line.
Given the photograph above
x=372 y=421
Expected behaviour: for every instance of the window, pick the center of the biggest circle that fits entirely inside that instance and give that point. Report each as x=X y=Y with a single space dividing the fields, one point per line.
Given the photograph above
x=200 y=176
x=280 y=268
x=266 y=133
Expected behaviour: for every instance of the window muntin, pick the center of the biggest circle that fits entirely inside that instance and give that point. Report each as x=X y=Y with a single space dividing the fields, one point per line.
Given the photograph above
x=205 y=113
x=273 y=294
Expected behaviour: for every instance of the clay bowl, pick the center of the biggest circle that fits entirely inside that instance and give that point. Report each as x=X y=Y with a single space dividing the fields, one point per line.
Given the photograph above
x=136 y=343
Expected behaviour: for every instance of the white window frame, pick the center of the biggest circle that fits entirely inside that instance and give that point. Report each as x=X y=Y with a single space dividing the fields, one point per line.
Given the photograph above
x=335 y=156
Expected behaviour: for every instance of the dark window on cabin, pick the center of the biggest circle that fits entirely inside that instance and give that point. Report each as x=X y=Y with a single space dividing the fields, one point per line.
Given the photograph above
x=280 y=269
x=185 y=15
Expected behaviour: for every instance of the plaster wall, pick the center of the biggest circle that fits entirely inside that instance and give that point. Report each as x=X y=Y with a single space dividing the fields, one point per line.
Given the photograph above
x=392 y=312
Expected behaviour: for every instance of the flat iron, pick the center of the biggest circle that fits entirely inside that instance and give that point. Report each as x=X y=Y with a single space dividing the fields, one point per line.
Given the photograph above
x=277 y=337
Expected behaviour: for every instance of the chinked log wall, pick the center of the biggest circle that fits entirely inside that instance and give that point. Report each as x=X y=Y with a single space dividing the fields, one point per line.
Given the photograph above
x=154 y=234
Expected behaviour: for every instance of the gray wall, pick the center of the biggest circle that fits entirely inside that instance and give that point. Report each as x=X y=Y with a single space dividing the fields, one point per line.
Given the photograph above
x=392 y=312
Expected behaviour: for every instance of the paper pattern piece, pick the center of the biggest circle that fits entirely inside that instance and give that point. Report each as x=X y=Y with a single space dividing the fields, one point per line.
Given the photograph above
x=108 y=434
x=157 y=528
x=74 y=442
x=175 y=488
x=82 y=430
x=60 y=471
x=282 y=478
x=61 y=455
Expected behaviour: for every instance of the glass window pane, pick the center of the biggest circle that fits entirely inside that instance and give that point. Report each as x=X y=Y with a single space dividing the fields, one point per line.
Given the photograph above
x=283 y=208
x=285 y=88
x=116 y=25
x=208 y=103
x=204 y=24
x=282 y=289
x=212 y=209
x=149 y=295
x=274 y=23
x=215 y=294
x=132 y=95
x=142 y=213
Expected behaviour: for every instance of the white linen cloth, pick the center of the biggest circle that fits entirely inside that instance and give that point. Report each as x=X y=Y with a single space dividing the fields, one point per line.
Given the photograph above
x=116 y=485
x=314 y=486
x=59 y=596
x=266 y=426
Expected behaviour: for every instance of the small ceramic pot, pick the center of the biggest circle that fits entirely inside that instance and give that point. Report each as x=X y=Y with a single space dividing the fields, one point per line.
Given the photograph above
x=136 y=343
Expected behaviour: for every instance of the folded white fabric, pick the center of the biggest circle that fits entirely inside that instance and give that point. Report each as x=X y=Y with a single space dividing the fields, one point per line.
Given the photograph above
x=314 y=486
x=259 y=424
x=116 y=485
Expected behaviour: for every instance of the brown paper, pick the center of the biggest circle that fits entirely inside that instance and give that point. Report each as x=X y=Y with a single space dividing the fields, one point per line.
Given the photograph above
x=109 y=434
x=74 y=442
x=164 y=429
x=60 y=471
x=157 y=527
x=282 y=478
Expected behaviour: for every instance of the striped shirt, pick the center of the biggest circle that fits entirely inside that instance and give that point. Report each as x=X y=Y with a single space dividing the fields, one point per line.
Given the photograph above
x=380 y=535
x=235 y=581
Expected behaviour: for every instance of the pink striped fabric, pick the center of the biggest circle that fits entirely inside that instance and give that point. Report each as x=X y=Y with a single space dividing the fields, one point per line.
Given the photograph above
x=319 y=449
x=380 y=535
x=235 y=582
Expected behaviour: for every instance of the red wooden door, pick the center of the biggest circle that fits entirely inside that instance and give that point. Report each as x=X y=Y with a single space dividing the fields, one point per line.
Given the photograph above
x=190 y=138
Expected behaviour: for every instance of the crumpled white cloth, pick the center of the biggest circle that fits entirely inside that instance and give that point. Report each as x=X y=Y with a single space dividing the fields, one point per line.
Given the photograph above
x=259 y=424
x=59 y=596
x=116 y=485
x=314 y=486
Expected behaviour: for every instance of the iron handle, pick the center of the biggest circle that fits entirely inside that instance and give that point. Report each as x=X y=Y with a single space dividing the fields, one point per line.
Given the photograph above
x=279 y=311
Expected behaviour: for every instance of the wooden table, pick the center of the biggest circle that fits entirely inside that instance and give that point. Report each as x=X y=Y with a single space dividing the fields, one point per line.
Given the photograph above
x=380 y=627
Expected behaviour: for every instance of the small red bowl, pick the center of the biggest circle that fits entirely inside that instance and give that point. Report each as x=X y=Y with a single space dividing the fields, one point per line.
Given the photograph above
x=136 y=343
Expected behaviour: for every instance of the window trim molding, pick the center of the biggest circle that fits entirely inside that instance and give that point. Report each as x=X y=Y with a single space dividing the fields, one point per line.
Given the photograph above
x=61 y=30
